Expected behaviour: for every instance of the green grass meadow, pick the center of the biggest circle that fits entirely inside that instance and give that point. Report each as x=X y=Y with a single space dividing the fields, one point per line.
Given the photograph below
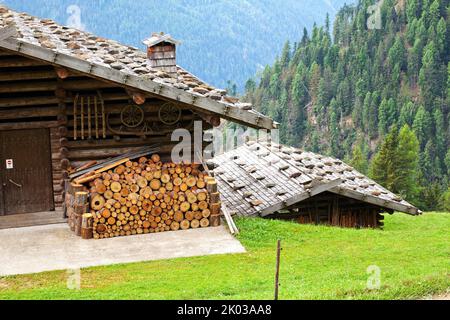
x=317 y=262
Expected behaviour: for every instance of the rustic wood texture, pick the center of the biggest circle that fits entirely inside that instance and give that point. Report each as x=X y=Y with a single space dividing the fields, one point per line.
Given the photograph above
x=186 y=89
x=21 y=107
x=27 y=186
x=145 y=195
x=262 y=179
x=331 y=209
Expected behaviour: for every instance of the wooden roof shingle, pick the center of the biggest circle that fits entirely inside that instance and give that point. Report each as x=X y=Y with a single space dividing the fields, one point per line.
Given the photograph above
x=260 y=179
x=87 y=53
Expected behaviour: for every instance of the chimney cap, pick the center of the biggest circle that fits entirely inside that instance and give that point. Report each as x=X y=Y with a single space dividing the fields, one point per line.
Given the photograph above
x=158 y=37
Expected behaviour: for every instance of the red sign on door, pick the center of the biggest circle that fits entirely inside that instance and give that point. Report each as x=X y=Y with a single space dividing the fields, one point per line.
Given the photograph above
x=9 y=164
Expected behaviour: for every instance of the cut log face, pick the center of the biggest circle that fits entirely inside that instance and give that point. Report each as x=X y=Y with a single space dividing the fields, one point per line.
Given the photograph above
x=204 y=223
x=141 y=196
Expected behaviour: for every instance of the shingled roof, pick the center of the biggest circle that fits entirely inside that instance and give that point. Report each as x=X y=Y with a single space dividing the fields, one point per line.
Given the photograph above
x=261 y=179
x=87 y=53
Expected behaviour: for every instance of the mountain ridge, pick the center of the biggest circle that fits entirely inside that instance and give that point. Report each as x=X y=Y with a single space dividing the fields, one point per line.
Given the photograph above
x=350 y=91
x=221 y=40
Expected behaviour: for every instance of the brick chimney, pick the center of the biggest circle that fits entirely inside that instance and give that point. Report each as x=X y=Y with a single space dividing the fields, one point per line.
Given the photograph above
x=161 y=52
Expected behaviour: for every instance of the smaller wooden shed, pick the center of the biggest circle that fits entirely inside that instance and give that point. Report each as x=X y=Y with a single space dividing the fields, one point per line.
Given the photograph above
x=269 y=180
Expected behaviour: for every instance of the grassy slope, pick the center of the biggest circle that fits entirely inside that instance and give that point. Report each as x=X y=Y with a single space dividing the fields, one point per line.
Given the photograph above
x=317 y=263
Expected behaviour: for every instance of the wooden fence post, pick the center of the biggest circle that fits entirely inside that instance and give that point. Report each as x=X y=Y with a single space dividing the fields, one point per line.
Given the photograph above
x=277 y=270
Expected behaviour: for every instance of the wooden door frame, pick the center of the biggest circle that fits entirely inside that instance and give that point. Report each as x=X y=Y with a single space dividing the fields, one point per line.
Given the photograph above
x=2 y=182
x=3 y=208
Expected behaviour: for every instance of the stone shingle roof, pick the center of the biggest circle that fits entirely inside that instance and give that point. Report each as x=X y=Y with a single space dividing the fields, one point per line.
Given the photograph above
x=46 y=33
x=258 y=179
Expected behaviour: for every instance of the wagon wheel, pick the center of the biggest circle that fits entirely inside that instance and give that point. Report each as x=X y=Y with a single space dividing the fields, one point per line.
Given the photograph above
x=169 y=114
x=132 y=116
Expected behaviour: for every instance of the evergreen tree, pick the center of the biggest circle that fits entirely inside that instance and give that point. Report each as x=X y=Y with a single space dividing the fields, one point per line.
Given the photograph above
x=430 y=80
x=411 y=10
x=383 y=117
x=447 y=161
x=407 y=113
x=445 y=201
x=359 y=159
x=382 y=167
x=397 y=53
x=395 y=165
x=286 y=55
x=414 y=62
x=441 y=38
x=406 y=167
x=422 y=125
x=334 y=129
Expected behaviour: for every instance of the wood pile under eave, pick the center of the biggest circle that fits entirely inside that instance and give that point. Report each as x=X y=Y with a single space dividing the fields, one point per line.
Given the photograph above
x=147 y=196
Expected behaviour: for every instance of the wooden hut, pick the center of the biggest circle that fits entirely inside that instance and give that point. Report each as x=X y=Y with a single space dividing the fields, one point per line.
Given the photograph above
x=275 y=181
x=68 y=97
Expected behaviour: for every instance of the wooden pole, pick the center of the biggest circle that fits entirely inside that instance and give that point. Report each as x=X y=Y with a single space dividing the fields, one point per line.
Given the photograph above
x=82 y=118
x=89 y=118
x=96 y=117
x=277 y=270
x=75 y=102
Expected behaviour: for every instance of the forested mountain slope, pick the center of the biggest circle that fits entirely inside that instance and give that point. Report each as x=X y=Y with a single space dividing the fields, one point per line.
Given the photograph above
x=221 y=39
x=341 y=90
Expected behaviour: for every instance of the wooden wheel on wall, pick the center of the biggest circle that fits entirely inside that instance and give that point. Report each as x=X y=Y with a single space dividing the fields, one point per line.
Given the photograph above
x=132 y=116
x=169 y=114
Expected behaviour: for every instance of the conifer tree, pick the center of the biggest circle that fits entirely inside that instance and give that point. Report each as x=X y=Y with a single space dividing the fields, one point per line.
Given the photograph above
x=359 y=160
x=406 y=166
x=383 y=163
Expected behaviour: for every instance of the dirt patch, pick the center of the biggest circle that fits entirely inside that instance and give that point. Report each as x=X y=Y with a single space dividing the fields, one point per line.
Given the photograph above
x=444 y=296
x=3 y=284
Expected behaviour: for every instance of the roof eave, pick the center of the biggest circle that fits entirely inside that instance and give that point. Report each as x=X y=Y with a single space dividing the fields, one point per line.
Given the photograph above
x=318 y=189
x=230 y=112
x=377 y=201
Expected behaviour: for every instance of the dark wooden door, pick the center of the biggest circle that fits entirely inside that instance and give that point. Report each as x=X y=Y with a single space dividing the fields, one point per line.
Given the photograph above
x=25 y=172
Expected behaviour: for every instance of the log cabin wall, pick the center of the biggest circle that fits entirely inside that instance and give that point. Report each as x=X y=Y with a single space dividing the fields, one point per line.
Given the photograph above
x=114 y=143
x=33 y=96
x=331 y=209
x=28 y=101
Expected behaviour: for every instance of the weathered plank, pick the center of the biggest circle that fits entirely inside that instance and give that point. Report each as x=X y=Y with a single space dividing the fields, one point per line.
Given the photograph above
x=22 y=86
x=29 y=125
x=44 y=111
x=26 y=75
x=319 y=188
x=375 y=200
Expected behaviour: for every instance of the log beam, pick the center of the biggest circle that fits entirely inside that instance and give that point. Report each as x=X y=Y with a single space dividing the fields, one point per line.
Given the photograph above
x=27 y=75
x=62 y=73
x=138 y=97
x=44 y=111
x=29 y=125
x=18 y=87
x=20 y=62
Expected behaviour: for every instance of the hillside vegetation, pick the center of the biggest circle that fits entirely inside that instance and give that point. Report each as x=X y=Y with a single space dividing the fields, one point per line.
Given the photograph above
x=407 y=260
x=378 y=98
x=221 y=39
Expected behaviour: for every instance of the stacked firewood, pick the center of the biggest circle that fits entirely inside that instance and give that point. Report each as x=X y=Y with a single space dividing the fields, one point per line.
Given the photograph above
x=147 y=196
